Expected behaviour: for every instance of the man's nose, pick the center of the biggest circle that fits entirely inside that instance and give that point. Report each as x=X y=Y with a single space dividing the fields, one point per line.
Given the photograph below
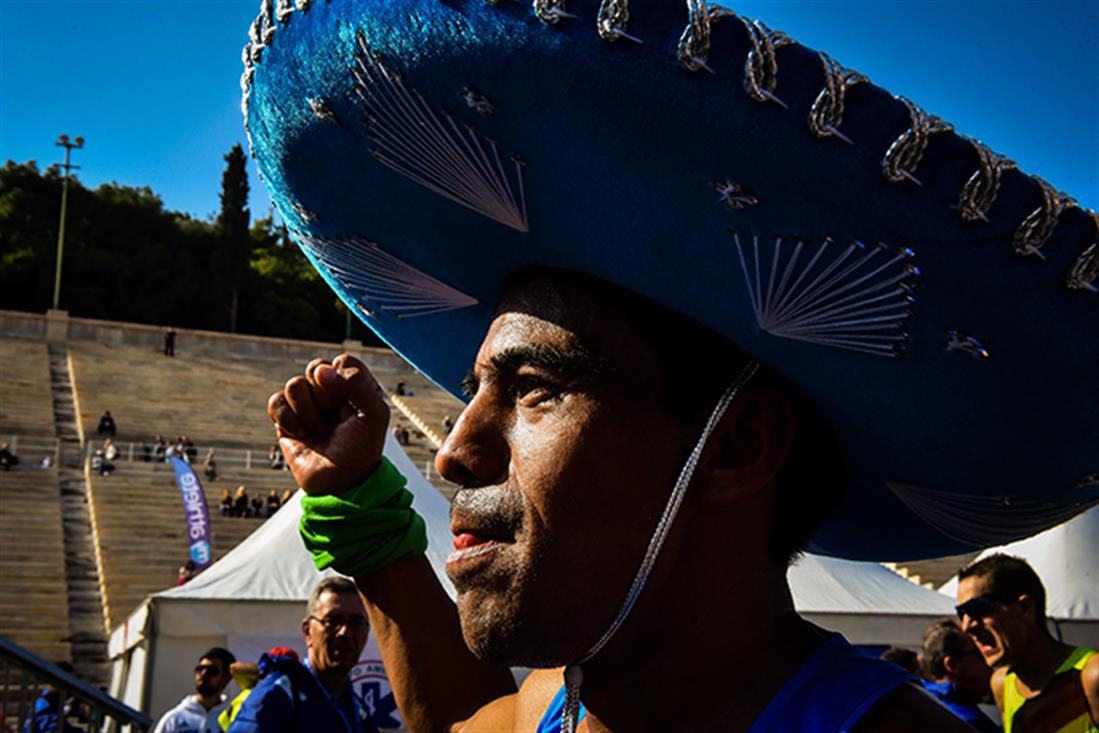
x=967 y=622
x=476 y=451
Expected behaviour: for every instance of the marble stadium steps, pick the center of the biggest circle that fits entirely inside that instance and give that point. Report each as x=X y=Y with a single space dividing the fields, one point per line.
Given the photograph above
x=34 y=610
x=140 y=532
x=26 y=403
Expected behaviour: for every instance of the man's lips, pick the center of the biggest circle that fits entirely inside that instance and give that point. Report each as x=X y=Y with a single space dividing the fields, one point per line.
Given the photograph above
x=469 y=553
x=466 y=540
x=468 y=545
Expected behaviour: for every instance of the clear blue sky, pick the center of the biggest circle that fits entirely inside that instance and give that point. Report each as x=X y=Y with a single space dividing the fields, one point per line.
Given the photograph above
x=154 y=86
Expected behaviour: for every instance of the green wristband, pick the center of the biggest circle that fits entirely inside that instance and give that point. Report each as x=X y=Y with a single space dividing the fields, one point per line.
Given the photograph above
x=365 y=528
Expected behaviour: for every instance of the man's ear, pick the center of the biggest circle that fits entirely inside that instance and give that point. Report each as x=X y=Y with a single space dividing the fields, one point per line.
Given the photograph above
x=748 y=448
x=305 y=629
x=949 y=664
x=1030 y=608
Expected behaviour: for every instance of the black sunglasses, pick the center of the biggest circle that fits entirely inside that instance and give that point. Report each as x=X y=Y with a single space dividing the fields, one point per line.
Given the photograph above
x=211 y=668
x=980 y=606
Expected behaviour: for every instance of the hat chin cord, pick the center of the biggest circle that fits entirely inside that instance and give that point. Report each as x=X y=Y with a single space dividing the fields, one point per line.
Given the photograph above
x=574 y=673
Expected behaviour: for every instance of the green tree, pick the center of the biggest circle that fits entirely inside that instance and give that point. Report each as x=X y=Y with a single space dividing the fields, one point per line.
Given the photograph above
x=235 y=251
x=127 y=258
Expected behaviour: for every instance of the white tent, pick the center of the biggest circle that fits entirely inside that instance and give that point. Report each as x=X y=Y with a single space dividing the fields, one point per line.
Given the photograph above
x=253 y=599
x=1066 y=558
x=250 y=600
x=865 y=601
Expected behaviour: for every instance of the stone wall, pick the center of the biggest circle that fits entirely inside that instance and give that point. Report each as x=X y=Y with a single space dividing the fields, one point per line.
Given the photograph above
x=58 y=326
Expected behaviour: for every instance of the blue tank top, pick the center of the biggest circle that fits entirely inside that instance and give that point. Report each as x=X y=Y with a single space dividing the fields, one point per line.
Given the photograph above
x=835 y=687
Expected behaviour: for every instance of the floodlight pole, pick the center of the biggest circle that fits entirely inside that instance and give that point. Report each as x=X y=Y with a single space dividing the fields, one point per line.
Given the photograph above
x=64 y=142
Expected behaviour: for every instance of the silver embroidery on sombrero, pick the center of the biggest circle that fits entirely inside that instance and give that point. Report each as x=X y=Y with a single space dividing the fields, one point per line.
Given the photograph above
x=431 y=149
x=981 y=189
x=376 y=278
x=760 y=67
x=551 y=11
x=321 y=110
x=826 y=114
x=477 y=102
x=959 y=342
x=906 y=152
x=613 y=17
x=305 y=214
x=693 y=50
x=1039 y=225
x=983 y=521
x=847 y=296
x=1085 y=271
x=733 y=195
x=760 y=77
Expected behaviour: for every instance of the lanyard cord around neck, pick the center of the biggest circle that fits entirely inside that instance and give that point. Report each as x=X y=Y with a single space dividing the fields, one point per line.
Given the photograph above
x=574 y=674
x=333 y=701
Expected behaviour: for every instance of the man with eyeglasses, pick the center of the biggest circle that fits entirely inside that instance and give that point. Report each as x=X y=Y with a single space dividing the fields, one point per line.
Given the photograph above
x=1040 y=684
x=317 y=695
x=957 y=675
x=198 y=713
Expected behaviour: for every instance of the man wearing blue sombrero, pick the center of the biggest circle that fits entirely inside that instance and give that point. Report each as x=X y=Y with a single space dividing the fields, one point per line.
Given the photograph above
x=723 y=299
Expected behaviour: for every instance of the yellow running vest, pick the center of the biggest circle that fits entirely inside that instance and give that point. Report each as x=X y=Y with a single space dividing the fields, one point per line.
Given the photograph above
x=1060 y=708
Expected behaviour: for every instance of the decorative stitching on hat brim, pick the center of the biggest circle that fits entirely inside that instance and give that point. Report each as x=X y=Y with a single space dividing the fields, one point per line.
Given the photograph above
x=761 y=70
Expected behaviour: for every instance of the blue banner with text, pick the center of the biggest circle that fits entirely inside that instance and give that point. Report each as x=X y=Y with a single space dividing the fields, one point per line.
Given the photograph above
x=198 y=516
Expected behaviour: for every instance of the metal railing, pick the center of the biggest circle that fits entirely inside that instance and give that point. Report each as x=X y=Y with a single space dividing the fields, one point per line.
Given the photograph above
x=226 y=458
x=39 y=697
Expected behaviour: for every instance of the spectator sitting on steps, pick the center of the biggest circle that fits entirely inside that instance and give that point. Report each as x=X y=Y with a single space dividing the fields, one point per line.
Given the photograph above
x=226 y=503
x=275 y=458
x=186 y=571
x=100 y=464
x=210 y=466
x=160 y=448
x=240 y=502
x=188 y=448
x=273 y=502
x=106 y=425
x=7 y=458
x=256 y=509
x=110 y=450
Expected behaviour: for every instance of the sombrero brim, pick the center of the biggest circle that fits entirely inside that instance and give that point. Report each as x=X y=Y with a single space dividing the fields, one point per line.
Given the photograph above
x=931 y=299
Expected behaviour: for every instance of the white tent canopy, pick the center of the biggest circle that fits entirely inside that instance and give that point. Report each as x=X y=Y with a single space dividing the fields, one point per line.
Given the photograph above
x=865 y=601
x=253 y=598
x=248 y=601
x=1066 y=558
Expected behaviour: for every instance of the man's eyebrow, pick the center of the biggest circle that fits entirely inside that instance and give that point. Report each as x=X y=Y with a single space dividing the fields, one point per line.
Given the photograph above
x=572 y=361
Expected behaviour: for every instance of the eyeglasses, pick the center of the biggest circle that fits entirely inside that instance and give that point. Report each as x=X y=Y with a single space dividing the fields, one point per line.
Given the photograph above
x=980 y=606
x=211 y=668
x=333 y=623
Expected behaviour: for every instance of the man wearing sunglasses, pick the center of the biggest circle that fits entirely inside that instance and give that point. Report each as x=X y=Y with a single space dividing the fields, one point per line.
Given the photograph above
x=198 y=713
x=317 y=695
x=1040 y=684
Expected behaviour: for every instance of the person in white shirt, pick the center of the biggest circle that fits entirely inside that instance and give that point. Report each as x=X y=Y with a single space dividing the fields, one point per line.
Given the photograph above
x=198 y=713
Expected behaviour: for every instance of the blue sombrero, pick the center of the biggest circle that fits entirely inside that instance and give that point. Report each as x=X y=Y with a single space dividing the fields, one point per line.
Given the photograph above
x=937 y=304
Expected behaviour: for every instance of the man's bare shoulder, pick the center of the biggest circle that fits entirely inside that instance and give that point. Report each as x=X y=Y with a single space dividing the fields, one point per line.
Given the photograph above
x=521 y=711
x=1089 y=679
x=908 y=709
